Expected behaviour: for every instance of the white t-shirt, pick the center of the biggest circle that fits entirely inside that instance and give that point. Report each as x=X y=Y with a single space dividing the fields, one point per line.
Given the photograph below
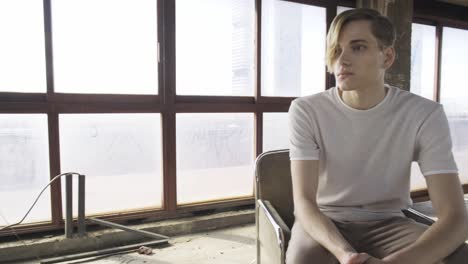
x=365 y=155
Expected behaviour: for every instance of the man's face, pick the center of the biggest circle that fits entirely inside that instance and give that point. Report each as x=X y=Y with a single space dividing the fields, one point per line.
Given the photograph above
x=360 y=62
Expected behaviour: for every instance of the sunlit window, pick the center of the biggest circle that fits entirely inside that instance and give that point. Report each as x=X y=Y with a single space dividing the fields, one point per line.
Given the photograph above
x=215 y=47
x=215 y=155
x=105 y=46
x=120 y=154
x=423 y=60
x=24 y=167
x=453 y=92
x=422 y=79
x=275 y=131
x=22 y=48
x=293 y=48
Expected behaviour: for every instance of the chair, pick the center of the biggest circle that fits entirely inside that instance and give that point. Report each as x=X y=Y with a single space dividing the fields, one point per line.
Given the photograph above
x=274 y=206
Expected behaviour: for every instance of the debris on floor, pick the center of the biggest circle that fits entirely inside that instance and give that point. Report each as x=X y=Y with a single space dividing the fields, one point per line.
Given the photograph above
x=145 y=250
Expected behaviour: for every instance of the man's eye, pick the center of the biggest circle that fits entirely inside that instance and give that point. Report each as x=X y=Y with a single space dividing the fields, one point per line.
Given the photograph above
x=359 y=48
x=337 y=52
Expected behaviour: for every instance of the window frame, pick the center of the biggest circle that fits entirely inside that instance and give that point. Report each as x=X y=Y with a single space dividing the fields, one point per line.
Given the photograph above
x=439 y=15
x=168 y=104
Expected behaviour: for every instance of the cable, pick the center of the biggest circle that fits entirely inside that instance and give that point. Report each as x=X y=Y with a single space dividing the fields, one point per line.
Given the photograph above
x=32 y=206
x=17 y=236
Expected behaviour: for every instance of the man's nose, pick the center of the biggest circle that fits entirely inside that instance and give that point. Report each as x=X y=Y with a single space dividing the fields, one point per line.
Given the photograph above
x=344 y=59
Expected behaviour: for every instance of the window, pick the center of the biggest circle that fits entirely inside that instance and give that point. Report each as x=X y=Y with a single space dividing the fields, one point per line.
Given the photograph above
x=214 y=156
x=215 y=56
x=24 y=167
x=120 y=154
x=453 y=95
x=105 y=46
x=423 y=60
x=453 y=98
x=170 y=109
x=293 y=49
x=275 y=131
x=215 y=47
x=422 y=79
x=22 y=49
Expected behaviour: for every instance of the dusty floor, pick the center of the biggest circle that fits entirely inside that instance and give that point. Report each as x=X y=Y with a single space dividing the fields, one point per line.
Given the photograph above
x=227 y=246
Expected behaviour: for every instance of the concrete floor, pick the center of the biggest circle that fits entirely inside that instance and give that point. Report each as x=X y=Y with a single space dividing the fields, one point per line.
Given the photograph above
x=225 y=246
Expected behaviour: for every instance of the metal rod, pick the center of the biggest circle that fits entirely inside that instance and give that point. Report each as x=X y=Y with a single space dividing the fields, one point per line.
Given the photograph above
x=126 y=228
x=418 y=216
x=101 y=252
x=69 y=206
x=81 y=205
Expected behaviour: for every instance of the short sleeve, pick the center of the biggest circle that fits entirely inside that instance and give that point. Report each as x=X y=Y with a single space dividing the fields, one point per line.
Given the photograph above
x=302 y=143
x=434 y=145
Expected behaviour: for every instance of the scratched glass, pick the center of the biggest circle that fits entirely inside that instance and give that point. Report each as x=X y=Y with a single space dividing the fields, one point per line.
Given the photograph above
x=215 y=156
x=120 y=154
x=24 y=168
x=293 y=49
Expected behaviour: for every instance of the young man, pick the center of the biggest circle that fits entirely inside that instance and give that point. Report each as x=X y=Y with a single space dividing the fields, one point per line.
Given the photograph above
x=351 y=149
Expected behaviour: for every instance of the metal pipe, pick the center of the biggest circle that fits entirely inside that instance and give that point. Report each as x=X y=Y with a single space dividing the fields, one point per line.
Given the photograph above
x=69 y=206
x=81 y=206
x=126 y=228
x=101 y=252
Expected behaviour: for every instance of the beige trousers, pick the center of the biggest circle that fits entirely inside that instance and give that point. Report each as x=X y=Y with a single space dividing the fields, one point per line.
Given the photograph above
x=377 y=238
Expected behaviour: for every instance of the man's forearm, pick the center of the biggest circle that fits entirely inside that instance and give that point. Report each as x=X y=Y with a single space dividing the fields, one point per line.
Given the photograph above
x=323 y=230
x=436 y=243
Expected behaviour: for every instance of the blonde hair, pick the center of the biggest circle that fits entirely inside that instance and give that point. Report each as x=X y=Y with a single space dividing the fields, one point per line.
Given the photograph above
x=381 y=27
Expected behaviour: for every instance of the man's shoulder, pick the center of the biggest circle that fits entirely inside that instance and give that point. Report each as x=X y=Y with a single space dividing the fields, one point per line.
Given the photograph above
x=408 y=100
x=314 y=99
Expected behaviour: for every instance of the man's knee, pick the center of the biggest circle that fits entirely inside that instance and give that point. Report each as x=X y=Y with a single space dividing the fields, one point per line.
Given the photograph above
x=315 y=254
x=303 y=249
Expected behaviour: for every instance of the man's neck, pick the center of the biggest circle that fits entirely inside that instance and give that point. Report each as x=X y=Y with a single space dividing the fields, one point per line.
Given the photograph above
x=363 y=99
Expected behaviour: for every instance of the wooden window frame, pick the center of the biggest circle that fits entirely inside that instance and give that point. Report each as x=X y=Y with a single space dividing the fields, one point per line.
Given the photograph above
x=168 y=104
x=440 y=15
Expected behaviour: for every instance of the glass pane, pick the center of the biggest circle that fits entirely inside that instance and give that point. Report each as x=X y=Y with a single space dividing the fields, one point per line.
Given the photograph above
x=293 y=48
x=214 y=156
x=423 y=60
x=418 y=182
x=105 y=46
x=24 y=168
x=120 y=154
x=22 y=48
x=341 y=9
x=453 y=94
x=215 y=47
x=275 y=131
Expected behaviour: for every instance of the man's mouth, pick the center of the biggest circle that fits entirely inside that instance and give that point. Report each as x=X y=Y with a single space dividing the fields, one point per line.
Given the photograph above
x=344 y=75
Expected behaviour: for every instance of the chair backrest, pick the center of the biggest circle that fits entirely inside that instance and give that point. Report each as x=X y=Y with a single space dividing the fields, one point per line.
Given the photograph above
x=273 y=182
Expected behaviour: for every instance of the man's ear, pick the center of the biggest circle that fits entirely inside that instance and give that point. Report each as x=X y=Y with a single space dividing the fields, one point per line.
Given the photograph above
x=389 y=57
